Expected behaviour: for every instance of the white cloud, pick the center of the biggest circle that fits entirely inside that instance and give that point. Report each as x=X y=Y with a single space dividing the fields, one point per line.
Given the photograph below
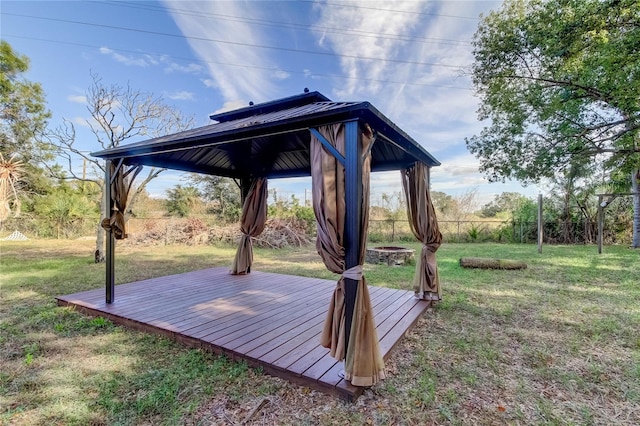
x=152 y=59
x=182 y=95
x=429 y=102
x=234 y=82
x=80 y=121
x=78 y=99
x=359 y=41
x=187 y=69
x=281 y=75
x=209 y=83
x=385 y=182
x=468 y=182
x=147 y=60
x=127 y=60
x=418 y=81
x=459 y=164
x=230 y=106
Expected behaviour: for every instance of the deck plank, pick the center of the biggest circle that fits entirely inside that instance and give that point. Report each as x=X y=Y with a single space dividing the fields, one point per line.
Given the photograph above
x=303 y=356
x=270 y=320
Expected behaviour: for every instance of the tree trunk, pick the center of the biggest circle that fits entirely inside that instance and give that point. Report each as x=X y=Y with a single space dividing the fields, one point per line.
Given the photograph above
x=133 y=199
x=99 y=253
x=635 y=182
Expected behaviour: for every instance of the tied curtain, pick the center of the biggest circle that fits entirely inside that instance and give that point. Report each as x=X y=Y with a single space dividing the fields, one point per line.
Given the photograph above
x=252 y=222
x=424 y=225
x=363 y=362
x=119 y=189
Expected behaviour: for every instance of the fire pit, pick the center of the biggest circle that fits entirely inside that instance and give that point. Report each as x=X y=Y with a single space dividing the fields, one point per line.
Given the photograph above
x=392 y=256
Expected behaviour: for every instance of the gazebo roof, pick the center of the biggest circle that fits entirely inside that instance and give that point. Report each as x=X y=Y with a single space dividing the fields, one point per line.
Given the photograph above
x=271 y=139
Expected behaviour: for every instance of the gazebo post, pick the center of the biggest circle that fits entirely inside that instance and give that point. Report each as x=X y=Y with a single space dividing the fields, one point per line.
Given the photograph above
x=110 y=239
x=353 y=221
x=245 y=186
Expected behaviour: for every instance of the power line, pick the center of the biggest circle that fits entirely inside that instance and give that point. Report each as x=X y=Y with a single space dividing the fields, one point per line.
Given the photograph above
x=359 y=6
x=290 y=25
x=179 y=58
x=236 y=43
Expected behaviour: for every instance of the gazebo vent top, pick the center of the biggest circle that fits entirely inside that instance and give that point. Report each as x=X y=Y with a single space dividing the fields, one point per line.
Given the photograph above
x=271 y=139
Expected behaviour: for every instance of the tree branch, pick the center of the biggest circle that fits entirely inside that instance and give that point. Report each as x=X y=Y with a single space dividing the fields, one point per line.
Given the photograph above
x=596 y=93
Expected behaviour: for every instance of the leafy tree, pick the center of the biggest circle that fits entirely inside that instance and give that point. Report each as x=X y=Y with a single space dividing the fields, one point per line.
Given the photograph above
x=527 y=211
x=292 y=209
x=617 y=216
x=23 y=117
x=573 y=194
x=507 y=203
x=559 y=83
x=181 y=200
x=148 y=207
x=117 y=115
x=67 y=205
x=444 y=203
x=525 y=217
x=223 y=193
x=394 y=205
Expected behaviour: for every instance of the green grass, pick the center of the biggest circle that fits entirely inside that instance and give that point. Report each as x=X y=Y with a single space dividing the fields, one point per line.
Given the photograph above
x=556 y=343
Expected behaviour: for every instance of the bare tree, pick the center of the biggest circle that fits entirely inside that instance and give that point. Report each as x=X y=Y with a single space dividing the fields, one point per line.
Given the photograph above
x=464 y=205
x=117 y=115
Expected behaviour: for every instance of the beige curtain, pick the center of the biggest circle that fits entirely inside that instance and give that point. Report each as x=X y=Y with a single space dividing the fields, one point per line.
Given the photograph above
x=119 y=192
x=363 y=362
x=424 y=225
x=254 y=217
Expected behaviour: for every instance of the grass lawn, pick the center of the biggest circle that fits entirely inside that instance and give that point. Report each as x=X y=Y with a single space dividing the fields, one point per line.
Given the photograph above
x=557 y=343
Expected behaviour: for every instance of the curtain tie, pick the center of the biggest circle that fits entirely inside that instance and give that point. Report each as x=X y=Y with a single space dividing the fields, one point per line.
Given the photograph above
x=354 y=273
x=115 y=223
x=430 y=247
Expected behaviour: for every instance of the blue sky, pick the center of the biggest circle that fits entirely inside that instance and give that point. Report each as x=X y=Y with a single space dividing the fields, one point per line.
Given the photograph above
x=406 y=58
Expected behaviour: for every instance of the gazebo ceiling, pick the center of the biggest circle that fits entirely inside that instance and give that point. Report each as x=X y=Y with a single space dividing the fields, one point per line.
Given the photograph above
x=270 y=139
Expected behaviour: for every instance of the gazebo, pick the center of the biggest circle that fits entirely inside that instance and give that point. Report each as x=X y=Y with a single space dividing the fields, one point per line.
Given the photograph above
x=338 y=144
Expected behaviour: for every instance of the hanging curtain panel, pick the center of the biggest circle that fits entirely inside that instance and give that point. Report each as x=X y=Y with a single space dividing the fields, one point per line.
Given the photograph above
x=254 y=217
x=363 y=362
x=424 y=225
x=119 y=188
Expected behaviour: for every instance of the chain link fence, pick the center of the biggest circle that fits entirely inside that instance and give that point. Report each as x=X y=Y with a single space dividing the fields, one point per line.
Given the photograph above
x=478 y=231
x=380 y=231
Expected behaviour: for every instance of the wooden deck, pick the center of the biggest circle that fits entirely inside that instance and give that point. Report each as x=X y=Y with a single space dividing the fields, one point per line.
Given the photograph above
x=270 y=320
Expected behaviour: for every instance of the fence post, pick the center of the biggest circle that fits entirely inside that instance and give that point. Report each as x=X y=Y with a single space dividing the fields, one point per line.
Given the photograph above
x=600 y=223
x=393 y=230
x=458 y=230
x=540 y=223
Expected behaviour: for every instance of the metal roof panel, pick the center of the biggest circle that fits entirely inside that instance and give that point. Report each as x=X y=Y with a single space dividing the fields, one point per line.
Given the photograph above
x=273 y=141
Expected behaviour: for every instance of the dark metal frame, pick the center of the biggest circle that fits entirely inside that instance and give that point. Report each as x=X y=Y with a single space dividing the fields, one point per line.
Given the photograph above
x=110 y=244
x=278 y=118
x=353 y=221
